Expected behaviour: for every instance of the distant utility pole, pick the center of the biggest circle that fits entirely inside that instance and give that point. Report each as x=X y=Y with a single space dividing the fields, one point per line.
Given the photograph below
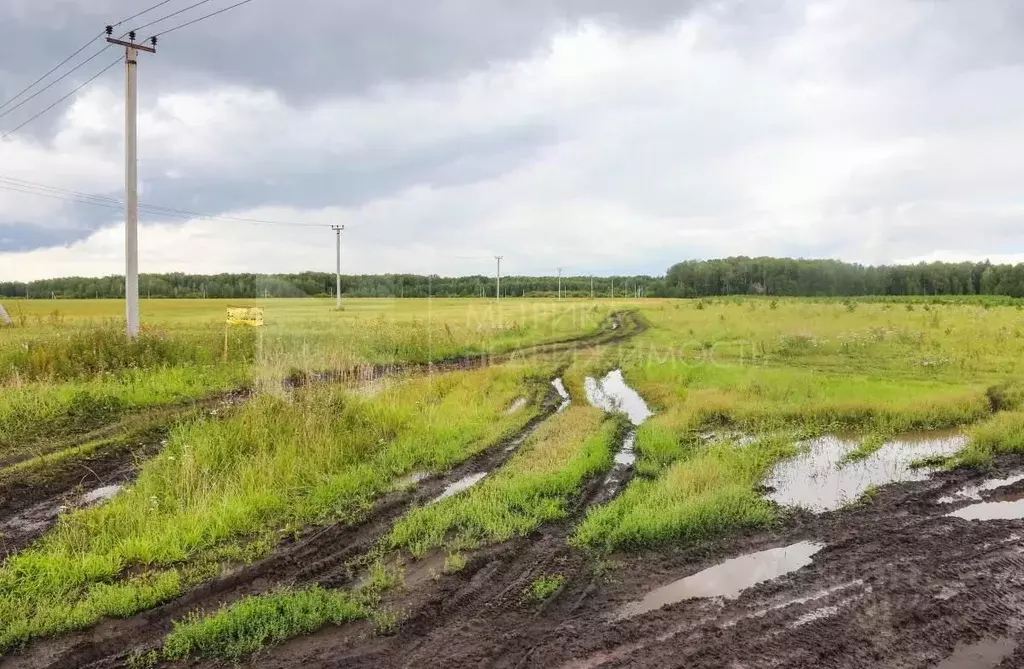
x=497 y=285
x=337 y=269
x=559 y=283
x=591 y=287
x=131 y=177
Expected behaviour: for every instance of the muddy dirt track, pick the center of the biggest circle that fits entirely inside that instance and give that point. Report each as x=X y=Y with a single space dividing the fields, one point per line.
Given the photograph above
x=894 y=582
x=897 y=583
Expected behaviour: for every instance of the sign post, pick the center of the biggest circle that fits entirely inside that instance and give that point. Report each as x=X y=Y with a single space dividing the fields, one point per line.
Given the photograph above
x=247 y=316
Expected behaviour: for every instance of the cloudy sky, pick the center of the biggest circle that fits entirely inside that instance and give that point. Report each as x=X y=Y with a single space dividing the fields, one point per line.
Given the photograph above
x=598 y=135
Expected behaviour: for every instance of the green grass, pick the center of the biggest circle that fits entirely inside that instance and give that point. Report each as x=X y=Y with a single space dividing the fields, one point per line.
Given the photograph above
x=256 y=622
x=224 y=489
x=534 y=487
x=710 y=492
x=1002 y=433
x=543 y=587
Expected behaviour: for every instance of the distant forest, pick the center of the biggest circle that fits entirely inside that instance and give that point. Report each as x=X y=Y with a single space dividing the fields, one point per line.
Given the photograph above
x=695 y=278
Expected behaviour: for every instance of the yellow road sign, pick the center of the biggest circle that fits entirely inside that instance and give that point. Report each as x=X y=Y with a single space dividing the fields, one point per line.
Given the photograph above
x=252 y=316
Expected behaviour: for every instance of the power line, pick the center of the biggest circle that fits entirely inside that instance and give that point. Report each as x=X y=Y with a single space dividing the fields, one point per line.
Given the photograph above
x=202 y=18
x=68 y=195
x=55 y=82
x=78 y=51
x=62 y=99
x=51 y=71
x=144 y=11
x=173 y=14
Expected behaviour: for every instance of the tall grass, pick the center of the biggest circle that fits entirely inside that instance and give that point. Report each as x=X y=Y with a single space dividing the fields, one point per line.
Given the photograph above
x=533 y=488
x=256 y=622
x=222 y=486
x=699 y=497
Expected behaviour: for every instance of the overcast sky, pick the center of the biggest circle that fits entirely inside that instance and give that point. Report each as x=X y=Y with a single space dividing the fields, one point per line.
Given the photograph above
x=601 y=136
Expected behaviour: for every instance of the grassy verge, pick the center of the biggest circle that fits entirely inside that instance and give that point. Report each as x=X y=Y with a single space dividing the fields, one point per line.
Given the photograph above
x=1002 y=433
x=533 y=488
x=224 y=489
x=711 y=491
x=256 y=622
x=40 y=412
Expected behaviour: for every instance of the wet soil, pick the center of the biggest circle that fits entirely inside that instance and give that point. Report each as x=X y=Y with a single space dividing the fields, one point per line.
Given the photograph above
x=897 y=583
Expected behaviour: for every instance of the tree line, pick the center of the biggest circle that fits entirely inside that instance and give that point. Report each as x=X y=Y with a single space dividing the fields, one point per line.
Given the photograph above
x=693 y=278
x=826 y=278
x=322 y=284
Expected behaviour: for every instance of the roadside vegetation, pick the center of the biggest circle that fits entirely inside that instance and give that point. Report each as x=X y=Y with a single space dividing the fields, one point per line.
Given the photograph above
x=734 y=385
x=224 y=490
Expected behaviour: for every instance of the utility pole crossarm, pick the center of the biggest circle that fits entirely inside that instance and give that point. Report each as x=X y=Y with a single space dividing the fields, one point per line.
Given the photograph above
x=132 y=45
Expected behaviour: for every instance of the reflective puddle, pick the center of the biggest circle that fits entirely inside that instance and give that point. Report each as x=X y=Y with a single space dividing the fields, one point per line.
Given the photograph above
x=819 y=480
x=100 y=494
x=972 y=493
x=516 y=406
x=727 y=579
x=1005 y=510
x=465 y=483
x=562 y=392
x=613 y=395
x=981 y=655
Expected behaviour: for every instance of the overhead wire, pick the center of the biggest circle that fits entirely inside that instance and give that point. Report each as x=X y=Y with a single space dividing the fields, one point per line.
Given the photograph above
x=55 y=82
x=61 y=99
x=79 y=197
x=51 y=71
x=201 y=18
x=171 y=15
x=76 y=52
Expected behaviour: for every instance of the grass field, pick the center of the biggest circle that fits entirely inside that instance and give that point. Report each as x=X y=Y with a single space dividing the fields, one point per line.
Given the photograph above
x=225 y=489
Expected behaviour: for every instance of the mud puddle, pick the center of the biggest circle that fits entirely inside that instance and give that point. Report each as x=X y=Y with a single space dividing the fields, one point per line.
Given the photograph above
x=981 y=655
x=820 y=480
x=728 y=579
x=19 y=529
x=465 y=483
x=972 y=493
x=613 y=395
x=1002 y=510
x=562 y=393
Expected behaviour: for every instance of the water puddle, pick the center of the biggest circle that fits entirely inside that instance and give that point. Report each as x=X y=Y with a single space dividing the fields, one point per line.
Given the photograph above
x=465 y=483
x=562 y=392
x=613 y=395
x=516 y=406
x=727 y=579
x=981 y=655
x=100 y=494
x=1005 y=510
x=411 y=480
x=819 y=480
x=972 y=493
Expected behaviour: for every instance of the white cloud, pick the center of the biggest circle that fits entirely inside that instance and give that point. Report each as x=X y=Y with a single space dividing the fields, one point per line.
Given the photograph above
x=829 y=139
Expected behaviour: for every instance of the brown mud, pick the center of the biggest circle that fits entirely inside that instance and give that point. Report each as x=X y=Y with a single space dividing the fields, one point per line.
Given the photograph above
x=897 y=584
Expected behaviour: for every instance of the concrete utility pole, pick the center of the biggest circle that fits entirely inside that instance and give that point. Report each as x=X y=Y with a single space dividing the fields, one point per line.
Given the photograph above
x=559 y=283
x=497 y=285
x=337 y=269
x=131 y=177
